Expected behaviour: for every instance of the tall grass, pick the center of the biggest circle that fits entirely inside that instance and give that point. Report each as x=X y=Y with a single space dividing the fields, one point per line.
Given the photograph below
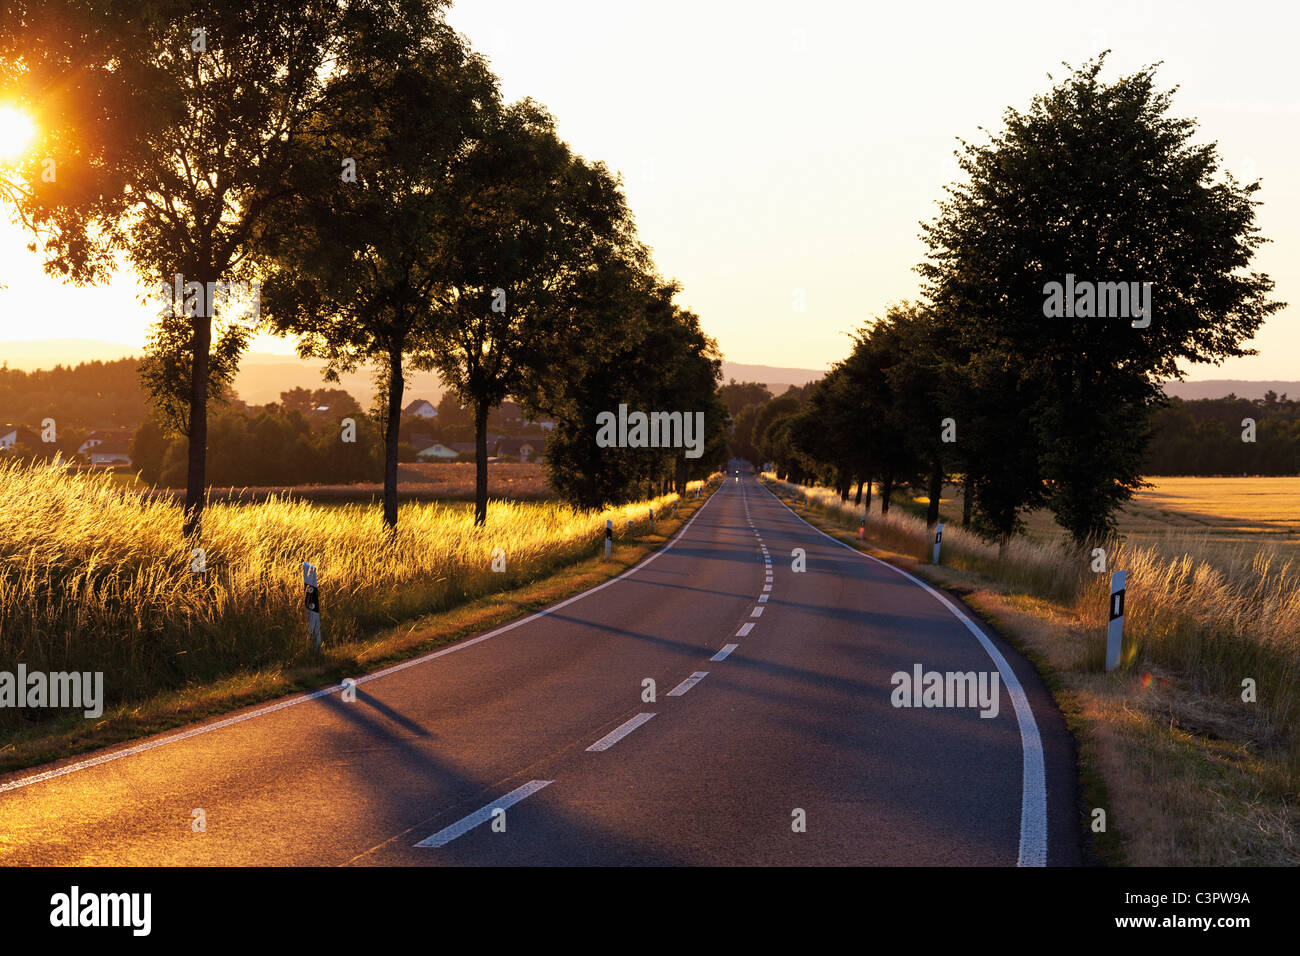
x=1038 y=568
x=1213 y=616
x=97 y=577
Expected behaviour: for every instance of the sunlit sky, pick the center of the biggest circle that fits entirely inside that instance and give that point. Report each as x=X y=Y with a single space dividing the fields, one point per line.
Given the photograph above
x=775 y=150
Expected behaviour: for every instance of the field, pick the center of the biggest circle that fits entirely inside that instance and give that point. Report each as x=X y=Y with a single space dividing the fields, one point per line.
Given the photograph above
x=416 y=481
x=1219 y=519
x=96 y=577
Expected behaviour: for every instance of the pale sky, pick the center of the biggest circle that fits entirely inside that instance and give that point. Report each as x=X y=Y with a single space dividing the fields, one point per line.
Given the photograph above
x=771 y=150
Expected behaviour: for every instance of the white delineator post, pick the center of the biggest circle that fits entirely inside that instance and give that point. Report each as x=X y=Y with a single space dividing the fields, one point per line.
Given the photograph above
x=609 y=535
x=1115 y=631
x=313 y=604
x=938 y=537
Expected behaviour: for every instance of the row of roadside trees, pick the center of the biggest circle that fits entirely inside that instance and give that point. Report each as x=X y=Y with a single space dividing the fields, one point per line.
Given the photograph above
x=977 y=383
x=355 y=160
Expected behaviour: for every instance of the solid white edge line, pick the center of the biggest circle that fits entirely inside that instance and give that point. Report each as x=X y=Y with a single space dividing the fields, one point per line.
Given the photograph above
x=464 y=825
x=1033 y=785
x=619 y=732
x=325 y=691
x=687 y=684
x=722 y=654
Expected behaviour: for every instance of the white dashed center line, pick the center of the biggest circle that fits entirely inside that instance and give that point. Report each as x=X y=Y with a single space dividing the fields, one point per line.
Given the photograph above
x=618 y=733
x=463 y=826
x=722 y=654
x=687 y=684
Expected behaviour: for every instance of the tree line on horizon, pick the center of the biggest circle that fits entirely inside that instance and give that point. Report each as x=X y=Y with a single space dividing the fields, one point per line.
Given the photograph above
x=357 y=161
x=981 y=381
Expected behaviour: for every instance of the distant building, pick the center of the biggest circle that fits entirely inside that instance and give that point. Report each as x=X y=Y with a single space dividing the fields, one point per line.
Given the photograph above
x=524 y=449
x=114 y=451
x=421 y=408
x=101 y=436
x=437 y=452
x=11 y=435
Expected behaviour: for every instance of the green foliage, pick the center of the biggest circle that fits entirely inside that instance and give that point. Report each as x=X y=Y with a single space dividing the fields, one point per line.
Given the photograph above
x=90 y=395
x=663 y=362
x=738 y=395
x=1097 y=181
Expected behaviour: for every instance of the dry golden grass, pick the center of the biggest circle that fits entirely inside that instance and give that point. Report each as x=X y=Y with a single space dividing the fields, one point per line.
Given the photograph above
x=97 y=577
x=416 y=481
x=1213 y=514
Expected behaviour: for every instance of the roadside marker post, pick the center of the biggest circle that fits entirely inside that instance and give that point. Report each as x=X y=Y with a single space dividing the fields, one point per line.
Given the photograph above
x=938 y=537
x=1115 y=630
x=862 y=527
x=609 y=535
x=313 y=604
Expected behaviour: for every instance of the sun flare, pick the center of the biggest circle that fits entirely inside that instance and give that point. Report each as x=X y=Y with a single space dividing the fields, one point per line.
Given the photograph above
x=16 y=132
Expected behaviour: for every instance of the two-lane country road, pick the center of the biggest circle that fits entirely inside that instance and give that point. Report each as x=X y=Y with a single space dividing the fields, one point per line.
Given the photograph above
x=771 y=739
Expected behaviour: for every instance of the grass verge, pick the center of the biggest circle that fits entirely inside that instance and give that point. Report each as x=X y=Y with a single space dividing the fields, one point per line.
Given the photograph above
x=1187 y=772
x=67 y=735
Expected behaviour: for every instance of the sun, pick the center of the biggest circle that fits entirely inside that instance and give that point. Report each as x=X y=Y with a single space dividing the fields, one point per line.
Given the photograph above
x=16 y=132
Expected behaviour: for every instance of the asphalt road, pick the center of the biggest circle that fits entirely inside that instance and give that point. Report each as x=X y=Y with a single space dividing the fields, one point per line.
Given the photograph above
x=771 y=738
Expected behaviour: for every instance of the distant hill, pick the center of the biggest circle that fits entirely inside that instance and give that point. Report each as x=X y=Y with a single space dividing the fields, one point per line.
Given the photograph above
x=776 y=379
x=1222 y=387
x=263 y=376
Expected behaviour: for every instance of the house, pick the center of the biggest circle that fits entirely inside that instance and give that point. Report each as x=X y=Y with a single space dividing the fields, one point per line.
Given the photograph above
x=524 y=449
x=114 y=451
x=11 y=435
x=437 y=452
x=421 y=408
x=100 y=436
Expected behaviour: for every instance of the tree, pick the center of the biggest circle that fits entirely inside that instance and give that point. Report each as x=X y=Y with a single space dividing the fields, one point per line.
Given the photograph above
x=174 y=126
x=737 y=395
x=531 y=227
x=1099 y=183
x=361 y=276
x=451 y=411
x=660 y=359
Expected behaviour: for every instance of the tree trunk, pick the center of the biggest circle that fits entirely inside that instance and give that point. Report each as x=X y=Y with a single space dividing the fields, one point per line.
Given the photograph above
x=967 y=493
x=196 y=478
x=1003 y=541
x=480 y=462
x=867 y=482
x=396 y=384
x=935 y=492
x=681 y=475
x=886 y=490
x=858 y=499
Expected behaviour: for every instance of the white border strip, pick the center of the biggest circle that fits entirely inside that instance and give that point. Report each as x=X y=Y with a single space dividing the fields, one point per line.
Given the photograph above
x=302 y=699
x=1033 y=788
